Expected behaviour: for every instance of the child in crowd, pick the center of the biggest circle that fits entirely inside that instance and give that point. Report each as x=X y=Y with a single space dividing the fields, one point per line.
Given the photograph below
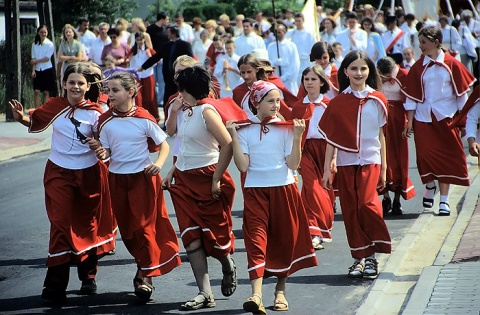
x=408 y=59
x=353 y=123
x=127 y=134
x=226 y=70
x=393 y=79
x=273 y=207
x=337 y=50
x=318 y=201
x=76 y=187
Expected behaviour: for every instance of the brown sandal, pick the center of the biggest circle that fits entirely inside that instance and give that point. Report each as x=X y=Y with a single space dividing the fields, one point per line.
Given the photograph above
x=142 y=289
x=254 y=305
x=280 y=305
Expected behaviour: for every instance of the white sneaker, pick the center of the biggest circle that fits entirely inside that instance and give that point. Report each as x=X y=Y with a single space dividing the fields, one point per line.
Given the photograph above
x=317 y=243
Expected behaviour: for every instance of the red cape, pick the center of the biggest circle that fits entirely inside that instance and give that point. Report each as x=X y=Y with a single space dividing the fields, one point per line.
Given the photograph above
x=139 y=112
x=339 y=123
x=226 y=107
x=46 y=114
x=461 y=119
x=305 y=111
x=459 y=75
x=288 y=96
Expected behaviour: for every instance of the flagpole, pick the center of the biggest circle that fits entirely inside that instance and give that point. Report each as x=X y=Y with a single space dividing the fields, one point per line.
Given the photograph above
x=474 y=9
x=392 y=7
x=378 y=10
x=276 y=38
x=449 y=6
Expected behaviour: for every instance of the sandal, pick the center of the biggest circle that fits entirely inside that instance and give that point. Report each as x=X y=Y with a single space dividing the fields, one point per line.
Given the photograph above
x=280 y=305
x=444 y=209
x=254 y=305
x=202 y=300
x=142 y=289
x=428 y=202
x=229 y=281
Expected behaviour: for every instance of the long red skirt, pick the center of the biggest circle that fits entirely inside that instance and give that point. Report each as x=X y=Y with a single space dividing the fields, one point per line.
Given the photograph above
x=146 y=96
x=362 y=211
x=397 y=152
x=440 y=152
x=275 y=229
x=80 y=214
x=317 y=200
x=139 y=206
x=199 y=215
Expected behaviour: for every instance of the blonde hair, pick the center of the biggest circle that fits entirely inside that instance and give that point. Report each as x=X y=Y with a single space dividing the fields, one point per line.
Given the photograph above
x=140 y=24
x=224 y=17
x=212 y=23
x=121 y=24
x=184 y=61
x=68 y=26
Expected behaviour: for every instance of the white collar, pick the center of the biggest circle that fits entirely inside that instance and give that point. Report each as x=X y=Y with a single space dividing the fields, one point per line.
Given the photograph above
x=440 y=58
x=359 y=94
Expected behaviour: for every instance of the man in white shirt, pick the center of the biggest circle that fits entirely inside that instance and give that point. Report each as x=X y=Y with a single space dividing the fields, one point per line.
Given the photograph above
x=186 y=31
x=451 y=39
x=286 y=60
x=352 y=38
x=226 y=70
x=97 y=45
x=395 y=40
x=248 y=41
x=289 y=19
x=304 y=40
x=85 y=36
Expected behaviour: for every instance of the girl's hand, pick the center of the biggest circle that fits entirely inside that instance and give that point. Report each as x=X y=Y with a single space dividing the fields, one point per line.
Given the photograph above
x=298 y=126
x=167 y=180
x=216 y=191
x=382 y=180
x=152 y=169
x=408 y=130
x=93 y=144
x=17 y=110
x=101 y=153
x=177 y=104
x=333 y=165
x=326 y=180
x=34 y=74
x=231 y=127
x=474 y=148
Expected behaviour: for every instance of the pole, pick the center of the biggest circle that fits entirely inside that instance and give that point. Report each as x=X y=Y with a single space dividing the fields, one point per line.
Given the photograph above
x=474 y=10
x=13 y=86
x=275 y=33
x=378 y=10
x=392 y=7
x=449 y=6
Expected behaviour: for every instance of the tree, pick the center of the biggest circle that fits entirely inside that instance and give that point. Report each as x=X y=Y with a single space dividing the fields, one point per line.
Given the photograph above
x=68 y=11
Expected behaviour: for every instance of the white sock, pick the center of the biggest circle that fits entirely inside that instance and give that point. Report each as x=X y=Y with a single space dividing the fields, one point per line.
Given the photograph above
x=444 y=198
x=429 y=193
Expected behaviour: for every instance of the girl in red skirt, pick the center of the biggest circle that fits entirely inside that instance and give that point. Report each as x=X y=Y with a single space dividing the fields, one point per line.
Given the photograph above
x=203 y=190
x=437 y=86
x=76 y=187
x=353 y=123
x=393 y=78
x=273 y=208
x=127 y=133
x=318 y=201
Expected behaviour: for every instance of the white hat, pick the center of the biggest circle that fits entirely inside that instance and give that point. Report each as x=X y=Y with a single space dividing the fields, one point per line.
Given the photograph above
x=260 y=53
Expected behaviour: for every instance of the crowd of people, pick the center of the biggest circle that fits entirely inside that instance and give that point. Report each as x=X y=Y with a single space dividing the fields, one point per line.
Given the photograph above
x=267 y=93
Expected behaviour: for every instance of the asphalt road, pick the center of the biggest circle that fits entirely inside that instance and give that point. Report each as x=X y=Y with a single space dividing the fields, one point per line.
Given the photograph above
x=24 y=232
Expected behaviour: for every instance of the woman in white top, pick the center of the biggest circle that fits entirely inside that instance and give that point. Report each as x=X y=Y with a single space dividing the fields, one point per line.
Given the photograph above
x=42 y=69
x=203 y=190
x=139 y=26
x=328 y=35
x=200 y=47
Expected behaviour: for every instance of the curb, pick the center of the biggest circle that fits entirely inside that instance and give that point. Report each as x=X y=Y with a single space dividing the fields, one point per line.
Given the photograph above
x=41 y=146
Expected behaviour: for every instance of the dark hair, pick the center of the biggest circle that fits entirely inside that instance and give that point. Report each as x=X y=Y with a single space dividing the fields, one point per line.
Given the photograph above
x=195 y=80
x=178 y=15
x=174 y=29
x=113 y=31
x=37 y=37
x=456 y=23
x=161 y=16
x=252 y=61
x=410 y=17
x=385 y=66
x=248 y=20
x=368 y=20
x=319 y=48
x=443 y=18
x=197 y=21
x=96 y=86
x=419 y=25
x=432 y=33
x=350 y=15
x=135 y=46
x=373 y=79
x=318 y=70
x=299 y=15
x=81 y=20
x=82 y=68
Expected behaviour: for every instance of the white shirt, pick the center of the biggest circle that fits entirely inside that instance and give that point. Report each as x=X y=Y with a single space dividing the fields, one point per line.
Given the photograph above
x=333 y=90
x=87 y=39
x=96 y=50
x=67 y=150
x=474 y=27
x=176 y=142
x=276 y=144
x=361 y=40
x=440 y=98
x=46 y=49
x=136 y=61
x=451 y=39
x=127 y=140
x=312 y=132
x=200 y=49
x=198 y=148
x=389 y=36
x=233 y=78
x=289 y=63
x=408 y=65
x=245 y=44
x=473 y=118
x=186 y=33
x=304 y=40
x=372 y=119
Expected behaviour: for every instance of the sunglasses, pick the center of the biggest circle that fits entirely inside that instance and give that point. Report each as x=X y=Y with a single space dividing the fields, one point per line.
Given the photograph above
x=80 y=135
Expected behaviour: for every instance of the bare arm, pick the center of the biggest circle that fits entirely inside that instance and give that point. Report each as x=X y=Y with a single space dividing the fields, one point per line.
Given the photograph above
x=171 y=123
x=242 y=160
x=293 y=160
x=408 y=129
x=329 y=156
x=18 y=115
x=155 y=168
x=383 y=156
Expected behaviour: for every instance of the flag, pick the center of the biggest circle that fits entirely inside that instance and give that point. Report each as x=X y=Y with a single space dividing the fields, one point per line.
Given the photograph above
x=422 y=8
x=311 y=24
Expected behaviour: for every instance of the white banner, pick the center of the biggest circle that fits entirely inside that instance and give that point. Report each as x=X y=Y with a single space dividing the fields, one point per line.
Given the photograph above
x=422 y=8
x=310 y=14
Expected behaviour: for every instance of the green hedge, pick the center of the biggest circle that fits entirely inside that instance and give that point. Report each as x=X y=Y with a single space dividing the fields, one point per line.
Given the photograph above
x=209 y=11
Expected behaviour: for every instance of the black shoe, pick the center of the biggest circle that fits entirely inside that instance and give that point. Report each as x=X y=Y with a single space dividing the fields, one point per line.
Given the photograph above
x=54 y=294
x=89 y=287
x=428 y=202
x=397 y=208
x=334 y=207
x=444 y=209
x=386 y=205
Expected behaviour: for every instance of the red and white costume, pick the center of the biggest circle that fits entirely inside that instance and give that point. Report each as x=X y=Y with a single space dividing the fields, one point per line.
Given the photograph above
x=351 y=123
x=76 y=188
x=436 y=90
x=273 y=208
x=397 y=146
x=199 y=215
x=331 y=72
x=469 y=116
x=318 y=202
x=137 y=198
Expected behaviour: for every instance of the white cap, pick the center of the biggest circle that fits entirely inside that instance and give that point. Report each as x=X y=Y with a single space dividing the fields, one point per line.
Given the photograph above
x=260 y=53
